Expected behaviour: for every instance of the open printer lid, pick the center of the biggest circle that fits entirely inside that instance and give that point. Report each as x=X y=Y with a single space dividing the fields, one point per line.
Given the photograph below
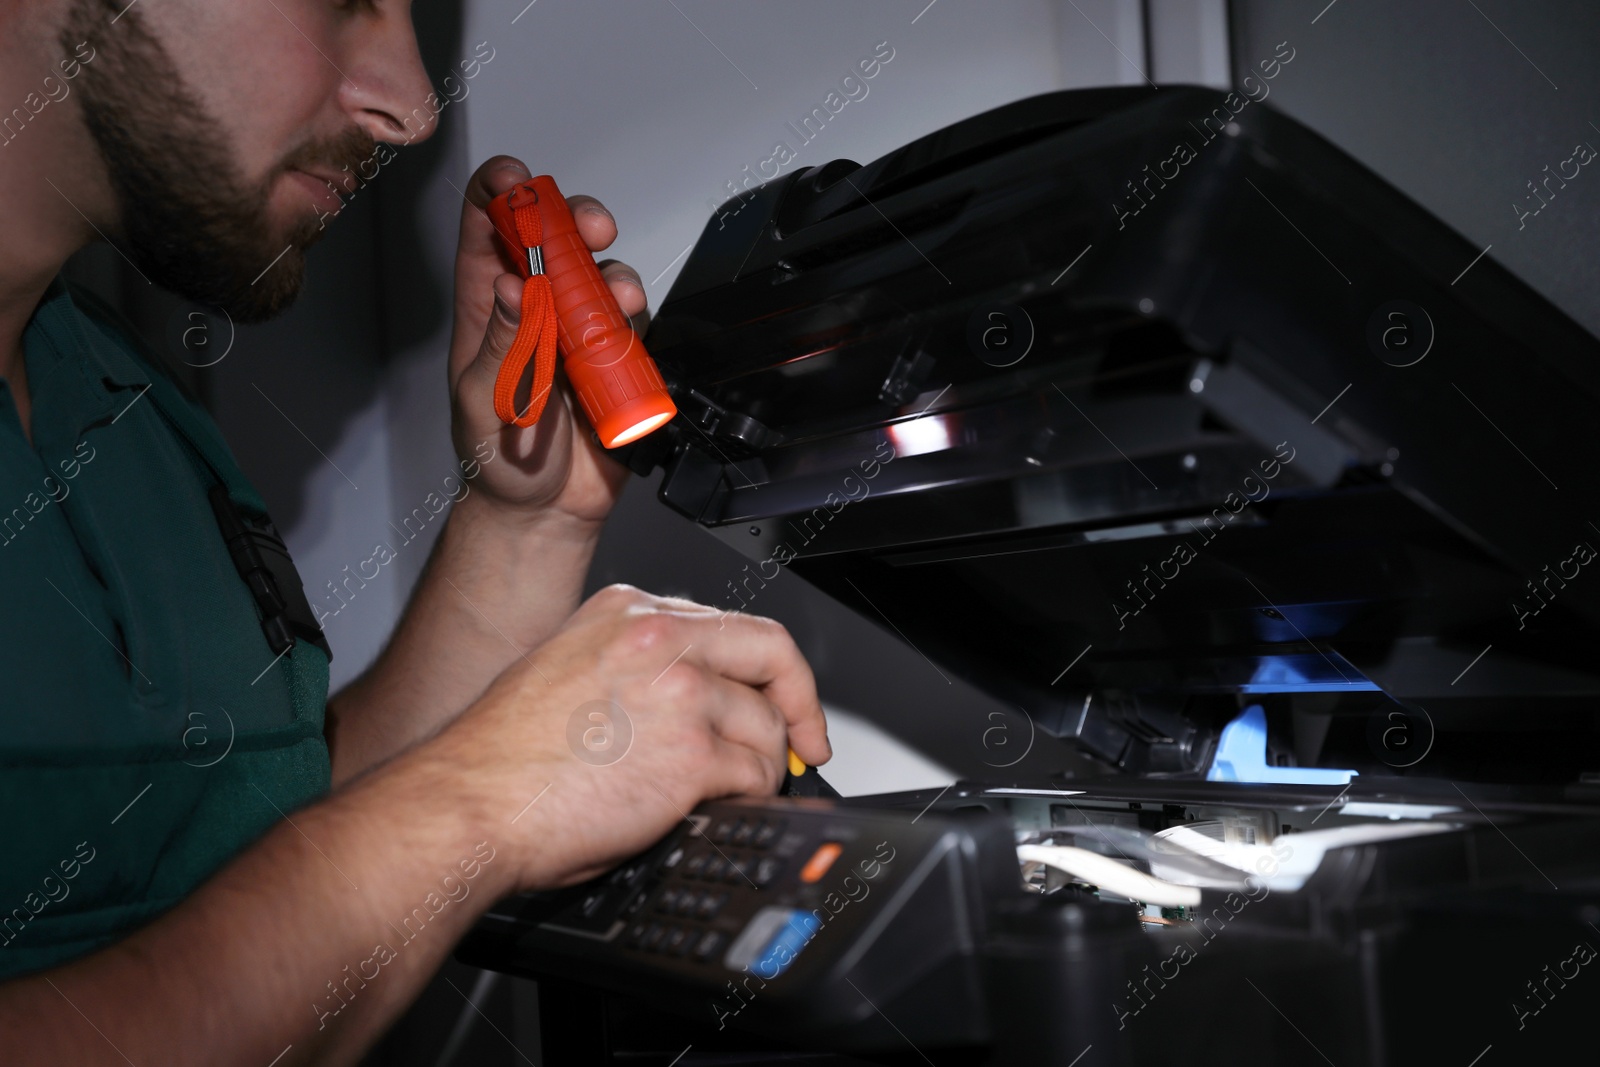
x=1138 y=408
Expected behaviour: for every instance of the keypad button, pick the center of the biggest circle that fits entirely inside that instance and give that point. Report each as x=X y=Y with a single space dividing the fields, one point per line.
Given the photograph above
x=591 y=903
x=688 y=901
x=767 y=833
x=652 y=937
x=636 y=932
x=820 y=861
x=767 y=871
x=723 y=830
x=667 y=902
x=709 y=945
x=709 y=905
x=738 y=870
x=636 y=901
x=715 y=867
x=695 y=866
x=677 y=941
x=674 y=858
x=742 y=834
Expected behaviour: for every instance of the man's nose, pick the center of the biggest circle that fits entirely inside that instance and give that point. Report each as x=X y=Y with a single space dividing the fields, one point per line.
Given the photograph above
x=385 y=89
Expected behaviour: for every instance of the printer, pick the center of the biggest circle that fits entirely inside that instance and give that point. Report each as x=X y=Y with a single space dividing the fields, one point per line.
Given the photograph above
x=1263 y=496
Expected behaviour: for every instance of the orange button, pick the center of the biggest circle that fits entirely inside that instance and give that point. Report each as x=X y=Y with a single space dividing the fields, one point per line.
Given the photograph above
x=820 y=861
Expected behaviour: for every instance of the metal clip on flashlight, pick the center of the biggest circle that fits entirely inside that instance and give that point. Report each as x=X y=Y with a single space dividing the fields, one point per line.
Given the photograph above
x=614 y=378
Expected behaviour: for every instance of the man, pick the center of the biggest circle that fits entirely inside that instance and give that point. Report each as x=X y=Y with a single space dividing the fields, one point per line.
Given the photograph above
x=283 y=903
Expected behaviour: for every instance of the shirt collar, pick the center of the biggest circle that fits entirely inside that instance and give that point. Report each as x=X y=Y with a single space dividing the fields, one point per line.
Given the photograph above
x=79 y=373
x=99 y=354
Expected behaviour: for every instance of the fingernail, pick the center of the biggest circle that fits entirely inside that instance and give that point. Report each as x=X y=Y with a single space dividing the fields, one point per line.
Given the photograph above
x=596 y=209
x=507 y=312
x=515 y=168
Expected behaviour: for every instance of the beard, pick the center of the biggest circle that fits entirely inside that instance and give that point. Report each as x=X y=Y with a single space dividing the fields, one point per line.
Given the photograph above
x=187 y=217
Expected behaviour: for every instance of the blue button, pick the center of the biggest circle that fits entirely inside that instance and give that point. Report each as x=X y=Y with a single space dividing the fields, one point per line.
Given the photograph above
x=786 y=944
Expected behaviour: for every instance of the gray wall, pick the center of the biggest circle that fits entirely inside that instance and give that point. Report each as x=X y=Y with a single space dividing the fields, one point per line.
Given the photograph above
x=1459 y=105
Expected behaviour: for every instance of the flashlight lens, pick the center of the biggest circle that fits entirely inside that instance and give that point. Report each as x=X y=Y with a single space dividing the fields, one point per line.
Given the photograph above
x=639 y=429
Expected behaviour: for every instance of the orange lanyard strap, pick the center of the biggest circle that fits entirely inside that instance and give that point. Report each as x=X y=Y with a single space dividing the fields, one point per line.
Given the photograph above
x=536 y=330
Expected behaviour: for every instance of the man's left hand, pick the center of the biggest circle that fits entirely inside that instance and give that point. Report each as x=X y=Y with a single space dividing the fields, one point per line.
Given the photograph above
x=554 y=467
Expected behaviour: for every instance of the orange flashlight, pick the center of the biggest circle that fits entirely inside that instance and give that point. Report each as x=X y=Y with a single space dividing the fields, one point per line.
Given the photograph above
x=566 y=302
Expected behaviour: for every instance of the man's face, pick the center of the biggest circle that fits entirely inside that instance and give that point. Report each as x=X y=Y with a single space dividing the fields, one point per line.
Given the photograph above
x=221 y=123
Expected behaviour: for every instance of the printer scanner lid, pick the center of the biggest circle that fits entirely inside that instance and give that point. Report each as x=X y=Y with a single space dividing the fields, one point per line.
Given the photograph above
x=1140 y=408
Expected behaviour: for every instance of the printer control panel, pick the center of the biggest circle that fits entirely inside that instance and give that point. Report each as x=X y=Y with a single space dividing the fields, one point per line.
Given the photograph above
x=741 y=867
x=766 y=903
x=733 y=888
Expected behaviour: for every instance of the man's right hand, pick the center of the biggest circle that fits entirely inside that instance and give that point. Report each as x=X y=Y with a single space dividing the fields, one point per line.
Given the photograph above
x=355 y=900
x=712 y=702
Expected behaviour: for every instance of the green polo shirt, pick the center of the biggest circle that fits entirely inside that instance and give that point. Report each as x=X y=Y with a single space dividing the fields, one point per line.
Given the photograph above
x=148 y=732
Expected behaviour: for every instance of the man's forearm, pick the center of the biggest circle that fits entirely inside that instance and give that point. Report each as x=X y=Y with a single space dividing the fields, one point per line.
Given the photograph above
x=494 y=588
x=316 y=938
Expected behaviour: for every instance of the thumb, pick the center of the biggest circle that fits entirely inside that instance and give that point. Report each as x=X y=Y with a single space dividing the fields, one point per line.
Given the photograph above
x=477 y=384
x=503 y=320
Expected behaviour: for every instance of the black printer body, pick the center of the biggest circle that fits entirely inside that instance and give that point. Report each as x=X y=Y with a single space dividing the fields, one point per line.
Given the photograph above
x=1236 y=472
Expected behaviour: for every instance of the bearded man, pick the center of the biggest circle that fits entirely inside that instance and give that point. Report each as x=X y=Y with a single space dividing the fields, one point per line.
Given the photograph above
x=159 y=908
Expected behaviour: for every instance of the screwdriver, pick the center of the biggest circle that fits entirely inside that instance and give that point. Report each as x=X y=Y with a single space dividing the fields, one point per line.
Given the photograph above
x=804 y=781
